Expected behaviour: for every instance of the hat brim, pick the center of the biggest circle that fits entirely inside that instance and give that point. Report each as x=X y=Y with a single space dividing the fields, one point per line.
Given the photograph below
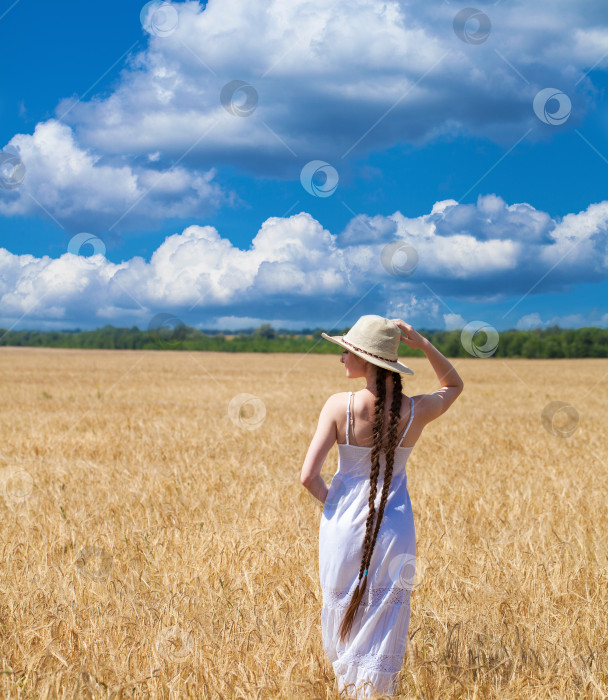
x=392 y=366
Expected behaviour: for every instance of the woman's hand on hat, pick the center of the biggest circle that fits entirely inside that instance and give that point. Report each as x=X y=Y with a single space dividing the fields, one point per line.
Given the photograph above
x=409 y=336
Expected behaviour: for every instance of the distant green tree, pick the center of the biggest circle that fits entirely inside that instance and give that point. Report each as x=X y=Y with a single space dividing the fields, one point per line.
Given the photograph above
x=532 y=348
x=265 y=331
x=553 y=348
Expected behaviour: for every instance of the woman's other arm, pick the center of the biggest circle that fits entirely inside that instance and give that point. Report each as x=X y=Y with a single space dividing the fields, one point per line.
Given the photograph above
x=321 y=443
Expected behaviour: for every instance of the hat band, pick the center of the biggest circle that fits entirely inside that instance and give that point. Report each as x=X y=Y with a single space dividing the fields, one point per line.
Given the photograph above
x=379 y=357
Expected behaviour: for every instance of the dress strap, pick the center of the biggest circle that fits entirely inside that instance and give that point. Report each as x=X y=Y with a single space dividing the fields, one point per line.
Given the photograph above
x=348 y=416
x=409 y=421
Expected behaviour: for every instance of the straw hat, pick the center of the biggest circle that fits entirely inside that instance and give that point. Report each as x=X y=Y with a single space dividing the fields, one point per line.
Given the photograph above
x=375 y=339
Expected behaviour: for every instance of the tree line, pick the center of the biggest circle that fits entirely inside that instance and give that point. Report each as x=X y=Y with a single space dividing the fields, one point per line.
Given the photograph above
x=553 y=342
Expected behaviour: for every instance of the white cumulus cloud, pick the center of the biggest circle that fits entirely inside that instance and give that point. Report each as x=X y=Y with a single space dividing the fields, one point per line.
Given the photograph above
x=329 y=80
x=294 y=265
x=80 y=188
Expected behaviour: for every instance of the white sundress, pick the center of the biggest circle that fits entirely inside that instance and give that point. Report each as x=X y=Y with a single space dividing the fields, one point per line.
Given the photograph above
x=374 y=651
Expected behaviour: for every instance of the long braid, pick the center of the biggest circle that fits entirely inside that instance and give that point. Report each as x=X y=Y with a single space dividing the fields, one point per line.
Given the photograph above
x=369 y=541
x=390 y=455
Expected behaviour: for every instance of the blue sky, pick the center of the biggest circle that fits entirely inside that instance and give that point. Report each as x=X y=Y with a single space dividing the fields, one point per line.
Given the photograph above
x=458 y=197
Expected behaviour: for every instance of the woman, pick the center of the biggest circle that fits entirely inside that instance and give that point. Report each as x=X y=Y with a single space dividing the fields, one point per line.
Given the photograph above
x=367 y=544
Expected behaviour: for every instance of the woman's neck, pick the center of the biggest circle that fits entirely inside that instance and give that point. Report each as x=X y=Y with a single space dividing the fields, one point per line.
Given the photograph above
x=388 y=394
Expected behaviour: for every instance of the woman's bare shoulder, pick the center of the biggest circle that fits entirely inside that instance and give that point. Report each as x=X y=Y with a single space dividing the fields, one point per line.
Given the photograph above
x=339 y=399
x=336 y=400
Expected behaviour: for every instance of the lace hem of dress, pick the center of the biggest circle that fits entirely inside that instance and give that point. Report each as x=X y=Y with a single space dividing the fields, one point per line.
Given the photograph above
x=378 y=663
x=373 y=596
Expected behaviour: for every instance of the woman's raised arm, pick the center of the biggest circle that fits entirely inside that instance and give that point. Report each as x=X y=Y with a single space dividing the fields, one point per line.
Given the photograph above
x=435 y=404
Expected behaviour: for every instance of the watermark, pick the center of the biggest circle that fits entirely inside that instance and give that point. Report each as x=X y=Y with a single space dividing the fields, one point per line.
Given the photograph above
x=558 y=100
x=318 y=178
x=94 y=563
x=159 y=18
x=96 y=258
x=12 y=169
x=17 y=485
x=474 y=333
x=472 y=26
x=399 y=258
x=243 y=107
x=167 y=330
x=560 y=418
x=407 y=571
x=174 y=644
x=247 y=411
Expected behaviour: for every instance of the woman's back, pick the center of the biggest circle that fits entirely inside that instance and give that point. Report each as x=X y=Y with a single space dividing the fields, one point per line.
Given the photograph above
x=427 y=407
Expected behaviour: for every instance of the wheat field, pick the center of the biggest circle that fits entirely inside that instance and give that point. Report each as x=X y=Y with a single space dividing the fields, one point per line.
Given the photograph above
x=157 y=541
